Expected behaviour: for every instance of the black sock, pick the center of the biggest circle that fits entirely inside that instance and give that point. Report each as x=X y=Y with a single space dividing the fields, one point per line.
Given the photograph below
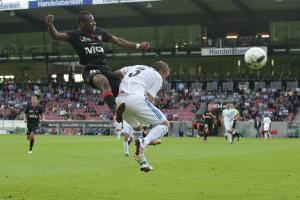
x=110 y=101
x=31 y=145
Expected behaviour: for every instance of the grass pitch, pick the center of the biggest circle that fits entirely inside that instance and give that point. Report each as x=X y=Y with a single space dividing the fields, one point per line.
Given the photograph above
x=94 y=167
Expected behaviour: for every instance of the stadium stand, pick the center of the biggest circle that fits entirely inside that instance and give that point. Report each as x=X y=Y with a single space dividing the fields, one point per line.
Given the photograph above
x=180 y=102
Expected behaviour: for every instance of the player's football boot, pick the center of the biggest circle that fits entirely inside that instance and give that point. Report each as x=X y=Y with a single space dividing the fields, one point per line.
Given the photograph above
x=145 y=167
x=155 y=142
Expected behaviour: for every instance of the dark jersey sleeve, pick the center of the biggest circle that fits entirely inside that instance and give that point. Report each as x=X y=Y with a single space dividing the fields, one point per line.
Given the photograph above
x=73 y=35
x=105 y=34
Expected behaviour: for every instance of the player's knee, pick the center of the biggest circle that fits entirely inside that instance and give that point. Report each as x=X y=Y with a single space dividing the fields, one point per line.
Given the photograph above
x=101 y=82
x=166 y=123
x=125 y=136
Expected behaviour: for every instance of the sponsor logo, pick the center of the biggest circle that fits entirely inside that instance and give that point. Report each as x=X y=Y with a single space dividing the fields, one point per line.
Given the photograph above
x=92 y=72
x=54 y=3
x=85 y=39
x=118 y=1
x=10 y=5
x=93 y=50
x=226 y=51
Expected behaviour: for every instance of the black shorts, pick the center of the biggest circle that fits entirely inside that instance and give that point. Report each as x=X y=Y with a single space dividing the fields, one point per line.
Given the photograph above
x=234 y=124
x=201 y=127
x=91 y=70
x=31 y=128
x=208 y=126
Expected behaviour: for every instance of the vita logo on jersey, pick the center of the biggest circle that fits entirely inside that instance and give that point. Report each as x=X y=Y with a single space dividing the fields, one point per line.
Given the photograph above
x=93 y=50
x=93 y=41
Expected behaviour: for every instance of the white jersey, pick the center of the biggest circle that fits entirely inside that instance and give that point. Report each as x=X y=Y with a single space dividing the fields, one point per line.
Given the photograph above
x=267 y=123
x=140 y=80
x=227 y=115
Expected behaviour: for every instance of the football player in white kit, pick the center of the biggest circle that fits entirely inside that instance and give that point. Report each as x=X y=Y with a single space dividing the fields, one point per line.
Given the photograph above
x=127 y=131
x=228 y=117
x=137 y=92
x=118 y=127
x=267 y=125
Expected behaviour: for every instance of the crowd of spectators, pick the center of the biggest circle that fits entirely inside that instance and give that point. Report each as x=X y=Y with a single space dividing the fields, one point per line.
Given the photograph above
x=64 y=101
x=280 y=105
x=178 y=101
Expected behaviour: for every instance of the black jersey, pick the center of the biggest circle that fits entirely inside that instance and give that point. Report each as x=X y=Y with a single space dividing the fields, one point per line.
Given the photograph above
x=208 y=118
x=33 y=114
x=89 y=45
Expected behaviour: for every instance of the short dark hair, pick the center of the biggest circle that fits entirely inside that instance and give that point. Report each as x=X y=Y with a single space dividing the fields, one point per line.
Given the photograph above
x=160 y=65
x=82 y=15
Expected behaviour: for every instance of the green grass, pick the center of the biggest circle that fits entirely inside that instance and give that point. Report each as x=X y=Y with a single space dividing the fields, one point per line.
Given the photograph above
x=94 y=167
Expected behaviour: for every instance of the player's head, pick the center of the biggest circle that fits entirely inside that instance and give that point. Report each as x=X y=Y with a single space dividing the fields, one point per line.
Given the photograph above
x=228 y=104
x=86 y=21
x=34 y=100
x=162 y=68
x=210 y=106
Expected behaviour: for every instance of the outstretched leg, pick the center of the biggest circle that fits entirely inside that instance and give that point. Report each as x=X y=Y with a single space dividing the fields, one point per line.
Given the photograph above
x=100 y=82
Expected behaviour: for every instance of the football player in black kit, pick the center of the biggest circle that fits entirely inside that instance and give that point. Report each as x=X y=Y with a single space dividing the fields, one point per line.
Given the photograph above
x=208 y=117
x=88 y=41
x=33 y=113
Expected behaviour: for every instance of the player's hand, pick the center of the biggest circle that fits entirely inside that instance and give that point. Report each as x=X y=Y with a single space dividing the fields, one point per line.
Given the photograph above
x=49 y=19
x=144 y=45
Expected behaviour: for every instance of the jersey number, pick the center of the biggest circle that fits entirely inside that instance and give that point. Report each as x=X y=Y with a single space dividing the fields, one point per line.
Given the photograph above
x=137 y=71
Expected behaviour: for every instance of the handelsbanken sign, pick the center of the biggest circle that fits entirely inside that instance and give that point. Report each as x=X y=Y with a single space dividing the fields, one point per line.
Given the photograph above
x=227 y=51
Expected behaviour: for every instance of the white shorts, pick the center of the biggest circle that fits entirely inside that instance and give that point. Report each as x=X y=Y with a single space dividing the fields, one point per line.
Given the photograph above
x=266 y=128
x=228 y=127
x=139 y=110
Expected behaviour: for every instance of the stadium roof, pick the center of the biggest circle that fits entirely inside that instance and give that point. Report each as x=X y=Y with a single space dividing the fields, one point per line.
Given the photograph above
x=222 y=15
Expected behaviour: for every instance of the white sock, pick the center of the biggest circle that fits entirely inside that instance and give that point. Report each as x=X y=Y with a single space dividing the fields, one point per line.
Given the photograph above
x=126 y=146
x=143 y=158
x=155 y=133
x=137 y=134
x=229 y=136
x=119 y=134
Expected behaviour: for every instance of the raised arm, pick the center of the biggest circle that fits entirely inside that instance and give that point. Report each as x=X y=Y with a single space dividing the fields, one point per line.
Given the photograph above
x=129 y=45
x=52 y=30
